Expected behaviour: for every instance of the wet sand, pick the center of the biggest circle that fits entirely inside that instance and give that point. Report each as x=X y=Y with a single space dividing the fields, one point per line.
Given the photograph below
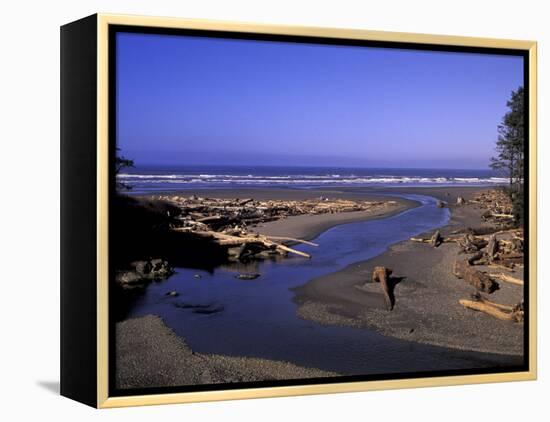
x=426 y=293
x=308 y=227
x=149 y=354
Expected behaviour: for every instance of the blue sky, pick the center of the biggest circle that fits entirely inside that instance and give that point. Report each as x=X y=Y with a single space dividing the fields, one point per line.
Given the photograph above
x=191 y=100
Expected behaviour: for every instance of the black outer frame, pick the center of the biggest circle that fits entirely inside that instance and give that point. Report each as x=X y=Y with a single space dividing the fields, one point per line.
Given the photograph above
x=78 y=210
x=79 y=63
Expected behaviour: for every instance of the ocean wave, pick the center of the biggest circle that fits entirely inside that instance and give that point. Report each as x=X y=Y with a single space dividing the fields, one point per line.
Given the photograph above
x=300 y=179
x=225 y=176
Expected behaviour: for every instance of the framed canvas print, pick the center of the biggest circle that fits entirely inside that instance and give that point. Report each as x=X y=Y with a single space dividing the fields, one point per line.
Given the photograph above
x=254 y=211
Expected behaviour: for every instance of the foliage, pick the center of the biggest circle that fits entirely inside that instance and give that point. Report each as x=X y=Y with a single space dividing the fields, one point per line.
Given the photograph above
x=121 y=163
x=510 y=148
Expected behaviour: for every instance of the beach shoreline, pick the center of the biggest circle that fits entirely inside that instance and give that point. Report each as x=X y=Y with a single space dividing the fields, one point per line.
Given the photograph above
x=427 y=308
x=140 y=342
x=306 y=226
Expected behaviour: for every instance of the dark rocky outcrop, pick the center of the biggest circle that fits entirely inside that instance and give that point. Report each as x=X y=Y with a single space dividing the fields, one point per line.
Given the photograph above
x=140 y=273
x=142 y=228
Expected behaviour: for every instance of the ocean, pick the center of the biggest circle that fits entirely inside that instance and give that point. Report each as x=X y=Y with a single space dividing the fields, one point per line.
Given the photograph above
x=175 y=178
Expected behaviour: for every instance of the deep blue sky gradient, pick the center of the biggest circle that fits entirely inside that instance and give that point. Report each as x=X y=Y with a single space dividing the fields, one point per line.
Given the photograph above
x=190 y=100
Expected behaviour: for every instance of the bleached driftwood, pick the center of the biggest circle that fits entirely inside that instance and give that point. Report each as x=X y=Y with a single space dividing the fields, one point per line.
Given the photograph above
x=497 y=310
x=488 y=309
x=292 y=239
x=506 y=278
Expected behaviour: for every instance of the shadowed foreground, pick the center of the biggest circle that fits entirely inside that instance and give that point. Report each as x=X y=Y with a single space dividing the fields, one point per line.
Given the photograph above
x=149 y=354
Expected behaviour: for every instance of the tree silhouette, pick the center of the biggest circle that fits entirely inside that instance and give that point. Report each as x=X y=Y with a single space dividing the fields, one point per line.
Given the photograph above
x=121 y=163
x=510 y=149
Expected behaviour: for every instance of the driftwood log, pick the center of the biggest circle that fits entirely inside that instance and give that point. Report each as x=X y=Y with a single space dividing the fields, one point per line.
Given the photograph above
x=470 y=275
x=436 y=239
x=247 y=242
x=381 y=275
x=492 y=248
x=471 y=244
x=477 y=258
x=503 y=312
x=506 y=278
x=446 y=239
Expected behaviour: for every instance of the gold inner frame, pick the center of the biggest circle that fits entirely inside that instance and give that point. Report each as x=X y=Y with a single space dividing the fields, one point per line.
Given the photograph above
x=103 y=399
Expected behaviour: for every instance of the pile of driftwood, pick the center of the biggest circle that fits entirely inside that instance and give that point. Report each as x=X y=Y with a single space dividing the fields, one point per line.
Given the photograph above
x=228 y=222
x=497 y=205
x=218 y=213
x=501 y=250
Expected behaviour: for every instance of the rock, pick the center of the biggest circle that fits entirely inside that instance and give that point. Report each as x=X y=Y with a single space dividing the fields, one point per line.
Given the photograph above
x=173 y=293
x=160 y=269
x=128 y=277
x=460 y=200
x=158 y=264
x=200 y=308
x=208 y=311
x=197 y=276
x=250 y=276
x=143 y=272
x=441 y=204
x=142 y=267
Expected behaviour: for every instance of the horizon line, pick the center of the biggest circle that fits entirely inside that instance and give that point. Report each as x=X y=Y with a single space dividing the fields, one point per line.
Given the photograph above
x=305 y=166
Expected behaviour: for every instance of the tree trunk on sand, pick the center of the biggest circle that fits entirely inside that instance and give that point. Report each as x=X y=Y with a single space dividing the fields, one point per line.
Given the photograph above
x=492 y=248
x=488 y=309
x=381 y=275
x=470 y=275
x=436 y=239
x=503 y=312
x=507 y=278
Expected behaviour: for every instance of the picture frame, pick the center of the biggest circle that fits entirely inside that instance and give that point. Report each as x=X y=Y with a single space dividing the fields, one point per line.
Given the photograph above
x=90 y=114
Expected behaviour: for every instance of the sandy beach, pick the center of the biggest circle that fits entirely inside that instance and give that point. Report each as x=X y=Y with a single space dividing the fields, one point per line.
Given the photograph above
x=306 y=226
x=149 y=354
x=427 y=308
